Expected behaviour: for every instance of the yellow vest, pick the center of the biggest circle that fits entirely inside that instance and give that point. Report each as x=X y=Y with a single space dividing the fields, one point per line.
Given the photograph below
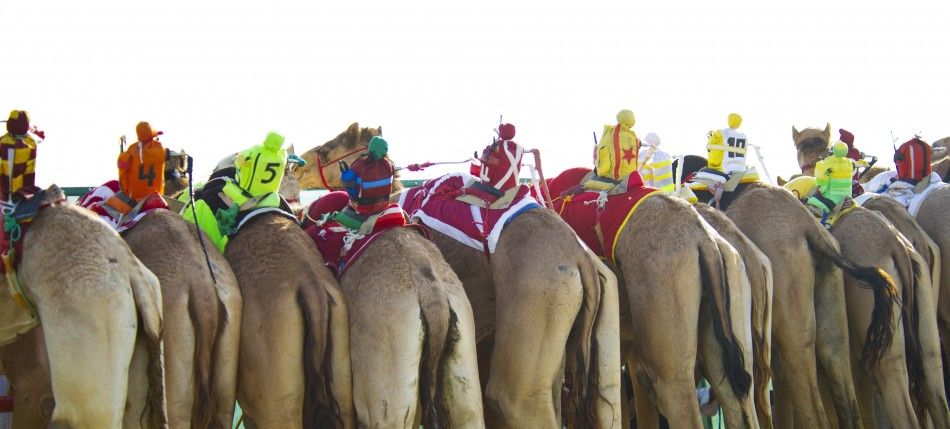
x=617 y=152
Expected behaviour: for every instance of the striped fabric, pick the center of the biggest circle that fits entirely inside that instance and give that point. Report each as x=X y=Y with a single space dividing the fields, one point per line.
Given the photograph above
x=22 y=171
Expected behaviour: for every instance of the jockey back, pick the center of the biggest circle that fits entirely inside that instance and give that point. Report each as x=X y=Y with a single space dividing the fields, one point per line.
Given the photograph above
x=261 y=168
x=656 y=167
x=142 y=165
x=833 y=178
x=616 y=153
x=17 y=155
x=727 y=155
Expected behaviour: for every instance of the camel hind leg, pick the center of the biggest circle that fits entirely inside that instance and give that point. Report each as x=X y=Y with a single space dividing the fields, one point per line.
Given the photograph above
x=607 y=342
x=227 y=345
x=530 y=340
x=666 y=362
x=737 y=407
x=831 y=342
x=796 y=375
x=461 y=387
x=935 y=396
x=270 y=368
x=386 y=354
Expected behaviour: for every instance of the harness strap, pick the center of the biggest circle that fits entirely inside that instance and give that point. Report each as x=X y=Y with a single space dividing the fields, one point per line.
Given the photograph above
x=321 y=165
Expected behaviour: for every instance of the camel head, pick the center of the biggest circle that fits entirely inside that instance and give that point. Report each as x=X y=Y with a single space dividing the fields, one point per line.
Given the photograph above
x=322 y=170
x=941 y=149
x=812 y=144
x=176 y=177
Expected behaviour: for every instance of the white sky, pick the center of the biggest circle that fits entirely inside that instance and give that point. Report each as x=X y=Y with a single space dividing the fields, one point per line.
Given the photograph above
x=217 y=75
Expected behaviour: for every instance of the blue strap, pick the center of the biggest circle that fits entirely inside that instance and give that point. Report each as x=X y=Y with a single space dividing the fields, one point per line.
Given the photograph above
x=376 y=183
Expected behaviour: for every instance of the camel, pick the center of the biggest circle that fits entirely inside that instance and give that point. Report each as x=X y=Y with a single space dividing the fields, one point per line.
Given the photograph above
x=202 y=319
x=541 y=306
x=672 y=266
x=294 y=367
x=758 y=270
x=809 y=315
x=694 y=261
x=102 y=332
x=412 y=337
x=811 y=144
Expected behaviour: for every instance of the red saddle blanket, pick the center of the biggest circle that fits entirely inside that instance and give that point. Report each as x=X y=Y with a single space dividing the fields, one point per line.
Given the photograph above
x=436 y=204
x=341 y=246
x=94 y=199
x=596 y=217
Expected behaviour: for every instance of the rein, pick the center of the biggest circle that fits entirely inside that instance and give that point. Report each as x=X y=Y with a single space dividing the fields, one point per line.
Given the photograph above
x=321 y=165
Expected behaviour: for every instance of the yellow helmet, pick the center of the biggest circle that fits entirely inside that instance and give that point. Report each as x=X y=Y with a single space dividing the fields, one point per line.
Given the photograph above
x=840 y=148
x=735 y=120
x=625 y=117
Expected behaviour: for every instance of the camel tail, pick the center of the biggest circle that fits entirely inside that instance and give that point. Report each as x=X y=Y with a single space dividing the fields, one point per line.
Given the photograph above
x=720 y=274
x=440 y=327
x=582 y=351
x=147 y=293
x=880 y=332
x=205 y=312
x=320 y=409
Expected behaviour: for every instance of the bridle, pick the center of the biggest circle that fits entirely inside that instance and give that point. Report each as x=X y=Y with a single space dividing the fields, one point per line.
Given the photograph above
x=321 y=165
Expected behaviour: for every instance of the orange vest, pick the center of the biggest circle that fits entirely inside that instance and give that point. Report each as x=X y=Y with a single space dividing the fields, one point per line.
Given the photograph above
x=142 y=169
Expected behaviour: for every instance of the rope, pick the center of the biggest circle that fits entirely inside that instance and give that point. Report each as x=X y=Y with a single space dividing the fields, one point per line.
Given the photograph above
x=12 y=228
x=424 y=165
x=194 y=213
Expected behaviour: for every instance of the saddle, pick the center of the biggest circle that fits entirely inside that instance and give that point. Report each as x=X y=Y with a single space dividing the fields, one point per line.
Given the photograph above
x=222 y=208
x=597 y=217
x=460 y=206
x=342 y=235
x=104 y=201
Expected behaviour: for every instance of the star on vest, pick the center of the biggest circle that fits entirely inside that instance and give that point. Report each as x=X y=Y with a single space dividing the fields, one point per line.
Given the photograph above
x=615 y=153
x=369 y=180
x=18 y=157
x=656 y=165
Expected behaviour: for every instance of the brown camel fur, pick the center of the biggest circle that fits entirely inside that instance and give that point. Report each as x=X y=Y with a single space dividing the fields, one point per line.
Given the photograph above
x=758 y=270
x=102 y=332
x=412 y=337
x=687 y=260
x=868 y=239
x=540 y=304
x=809 y=317
x=201 y=329
x=294 y=366
x=202 y=319
x=27 y=368
x=812 y=145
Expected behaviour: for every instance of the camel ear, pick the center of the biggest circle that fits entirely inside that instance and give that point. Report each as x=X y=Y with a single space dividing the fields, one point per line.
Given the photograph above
x=290 y=149
x=795 y=134
x=379 y=131
x=827 y=131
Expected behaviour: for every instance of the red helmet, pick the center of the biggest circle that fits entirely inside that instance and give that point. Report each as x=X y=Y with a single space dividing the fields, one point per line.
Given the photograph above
x=913 y=159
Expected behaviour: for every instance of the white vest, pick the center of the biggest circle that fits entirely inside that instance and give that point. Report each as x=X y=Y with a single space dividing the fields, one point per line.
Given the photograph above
x=734 y=160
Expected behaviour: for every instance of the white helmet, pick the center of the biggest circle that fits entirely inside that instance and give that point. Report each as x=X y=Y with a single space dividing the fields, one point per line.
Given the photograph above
x=652 y=139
